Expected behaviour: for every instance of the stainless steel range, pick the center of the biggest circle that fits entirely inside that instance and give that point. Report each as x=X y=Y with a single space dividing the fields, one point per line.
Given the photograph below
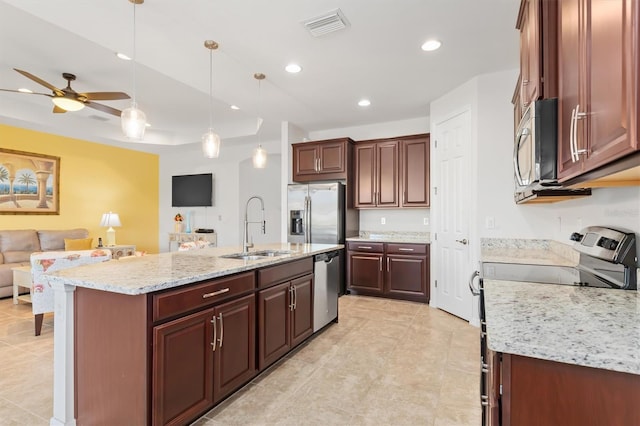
x=608 y=259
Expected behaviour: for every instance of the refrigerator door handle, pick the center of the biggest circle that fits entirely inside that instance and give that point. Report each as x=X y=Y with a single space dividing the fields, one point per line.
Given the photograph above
x=307 y=234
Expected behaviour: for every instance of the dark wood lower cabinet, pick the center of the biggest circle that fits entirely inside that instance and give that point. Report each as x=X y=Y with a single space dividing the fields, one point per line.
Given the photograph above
x=182 y=375
x=539 y=392
x=399 y=271
x=285 y=318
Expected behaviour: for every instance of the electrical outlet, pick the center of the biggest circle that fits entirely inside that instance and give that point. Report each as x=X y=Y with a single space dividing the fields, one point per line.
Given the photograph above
x=383 y=221
x=425 y=221
x=489 y=222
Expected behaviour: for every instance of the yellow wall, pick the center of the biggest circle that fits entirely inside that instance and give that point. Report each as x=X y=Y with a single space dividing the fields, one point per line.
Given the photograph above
x=94 y=179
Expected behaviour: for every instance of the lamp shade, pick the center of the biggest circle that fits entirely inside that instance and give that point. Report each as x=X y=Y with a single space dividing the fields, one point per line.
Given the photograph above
x=259 y=157
x=110 y=219
x=67 y=103
x=134 y=122
x=211 y=144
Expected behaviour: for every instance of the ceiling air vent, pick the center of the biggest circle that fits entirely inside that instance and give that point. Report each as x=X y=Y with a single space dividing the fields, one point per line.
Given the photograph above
x=327 y=23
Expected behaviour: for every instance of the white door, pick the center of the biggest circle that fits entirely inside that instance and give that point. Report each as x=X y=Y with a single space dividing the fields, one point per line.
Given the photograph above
x=452 y=202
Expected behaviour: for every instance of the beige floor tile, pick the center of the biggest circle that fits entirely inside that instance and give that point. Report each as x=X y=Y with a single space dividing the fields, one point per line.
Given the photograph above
x=385 y=362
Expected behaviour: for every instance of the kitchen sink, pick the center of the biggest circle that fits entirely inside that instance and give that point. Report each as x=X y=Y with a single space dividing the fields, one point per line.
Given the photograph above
x=257 y=255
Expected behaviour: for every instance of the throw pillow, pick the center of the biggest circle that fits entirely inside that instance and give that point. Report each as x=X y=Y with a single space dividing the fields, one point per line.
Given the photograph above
x=78 y=244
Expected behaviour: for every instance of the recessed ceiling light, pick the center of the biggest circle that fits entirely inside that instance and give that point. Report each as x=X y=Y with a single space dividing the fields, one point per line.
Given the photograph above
x=235 y=107
x=23 y=90
x=293 y=68
x=431 y=45
x=123 y=56
x=364 y=102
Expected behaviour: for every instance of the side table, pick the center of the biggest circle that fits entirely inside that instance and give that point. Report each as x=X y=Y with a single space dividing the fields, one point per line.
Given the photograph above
x=119 y=251
x=21 y=278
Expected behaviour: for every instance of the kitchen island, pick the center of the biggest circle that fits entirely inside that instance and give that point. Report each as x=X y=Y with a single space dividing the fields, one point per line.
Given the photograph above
x=562 y=354
x=160 y=339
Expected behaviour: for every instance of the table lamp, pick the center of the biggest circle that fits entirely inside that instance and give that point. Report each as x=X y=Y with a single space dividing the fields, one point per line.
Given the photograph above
x=110 y=219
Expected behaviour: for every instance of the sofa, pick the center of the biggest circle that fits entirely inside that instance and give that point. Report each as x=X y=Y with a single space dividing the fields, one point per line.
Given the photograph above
x=16 y=247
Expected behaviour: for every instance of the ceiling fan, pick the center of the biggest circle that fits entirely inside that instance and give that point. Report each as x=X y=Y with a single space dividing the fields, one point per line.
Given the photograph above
x=68 y=99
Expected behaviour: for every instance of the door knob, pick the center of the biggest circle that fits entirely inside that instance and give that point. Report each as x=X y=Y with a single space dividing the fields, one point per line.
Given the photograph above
x=463 y=241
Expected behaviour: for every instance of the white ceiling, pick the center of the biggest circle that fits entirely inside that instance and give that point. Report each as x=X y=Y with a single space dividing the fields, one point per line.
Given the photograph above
x=378 y=57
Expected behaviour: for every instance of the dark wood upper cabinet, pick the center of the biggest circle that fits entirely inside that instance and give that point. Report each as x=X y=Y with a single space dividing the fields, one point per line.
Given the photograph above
x=321 y=160
x=538 y=76
x=598 y=83
x=415 y=172
x=392 y=173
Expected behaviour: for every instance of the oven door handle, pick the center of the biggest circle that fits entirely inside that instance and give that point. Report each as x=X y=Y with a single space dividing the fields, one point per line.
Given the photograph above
x=475 y=291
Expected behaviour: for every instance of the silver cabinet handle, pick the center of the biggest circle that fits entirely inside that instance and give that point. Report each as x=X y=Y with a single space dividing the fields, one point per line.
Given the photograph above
x=365 y=247
x=320 y=164
x=215 y=332
x=294 y=292
x=405 y=249
x=572 y=142
x=291 y=298
x=380 y=263
x=474 y=291
x=484 y=403
x=463 y=241
x=215 y=293
x=221 y=330
x=388 y=269
x=578 y=116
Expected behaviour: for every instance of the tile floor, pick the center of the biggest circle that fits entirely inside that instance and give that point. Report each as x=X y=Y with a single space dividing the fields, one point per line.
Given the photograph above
x=385 y=363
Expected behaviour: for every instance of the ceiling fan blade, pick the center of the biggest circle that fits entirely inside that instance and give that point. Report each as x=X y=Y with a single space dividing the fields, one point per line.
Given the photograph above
x=58 y=110
x=27 y=93
x=41 y=81
x=104 y=96
x=104 y=108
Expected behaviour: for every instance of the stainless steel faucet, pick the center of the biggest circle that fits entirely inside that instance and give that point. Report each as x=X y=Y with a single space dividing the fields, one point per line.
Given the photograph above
x=245 y=238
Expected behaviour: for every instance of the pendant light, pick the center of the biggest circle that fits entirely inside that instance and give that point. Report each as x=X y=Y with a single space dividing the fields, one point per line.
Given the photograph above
x=259 y=154
x=210 y=140
x=133 y=120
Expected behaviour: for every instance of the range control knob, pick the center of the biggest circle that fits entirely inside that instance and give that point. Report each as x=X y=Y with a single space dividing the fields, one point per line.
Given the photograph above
x=607 y=243
x=576 y=236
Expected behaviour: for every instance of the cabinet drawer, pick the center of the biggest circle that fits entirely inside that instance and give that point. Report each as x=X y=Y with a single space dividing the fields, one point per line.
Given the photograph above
x=175 y=302
x=279 y=273
x=395 y=248
x=365 y=246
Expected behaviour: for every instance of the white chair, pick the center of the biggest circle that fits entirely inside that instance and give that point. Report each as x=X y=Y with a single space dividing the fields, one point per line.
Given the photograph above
x=45 y=262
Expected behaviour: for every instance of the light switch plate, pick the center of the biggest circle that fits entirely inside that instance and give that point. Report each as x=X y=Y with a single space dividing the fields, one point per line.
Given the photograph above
x=383 y=221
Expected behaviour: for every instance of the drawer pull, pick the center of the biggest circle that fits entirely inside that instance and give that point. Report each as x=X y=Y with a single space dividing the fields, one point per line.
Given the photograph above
x=215 y=293
x=405 y=249
x=365 y=247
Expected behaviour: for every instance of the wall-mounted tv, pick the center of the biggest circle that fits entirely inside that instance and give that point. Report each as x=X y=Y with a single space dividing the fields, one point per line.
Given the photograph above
x=192 y=190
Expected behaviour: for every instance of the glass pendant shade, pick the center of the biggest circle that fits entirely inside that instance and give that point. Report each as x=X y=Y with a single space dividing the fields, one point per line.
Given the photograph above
x=134 y=122
x=211 y=144
x=259 y=157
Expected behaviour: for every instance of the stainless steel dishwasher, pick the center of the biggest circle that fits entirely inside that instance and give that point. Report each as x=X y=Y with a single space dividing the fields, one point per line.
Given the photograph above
x=326 y=288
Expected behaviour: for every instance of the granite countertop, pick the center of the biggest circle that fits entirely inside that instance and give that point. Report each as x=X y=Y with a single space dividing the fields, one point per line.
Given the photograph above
x=591 y=327
x=393 y=237
x=150 y=273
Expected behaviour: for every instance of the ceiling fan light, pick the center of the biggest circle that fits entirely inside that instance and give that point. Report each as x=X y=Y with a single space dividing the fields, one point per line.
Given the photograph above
x=67 y=104
x=211 y=144
x=259 y=157
x=133 y=122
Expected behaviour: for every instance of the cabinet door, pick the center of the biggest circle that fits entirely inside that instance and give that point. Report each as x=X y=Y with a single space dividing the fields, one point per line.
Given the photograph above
x=415 y=173
x=407 y=276
x=531 y=85
x=569 y=79
x=302 y=313
x=235 y=354
x=611 y=28
x=388 y=174
x=332 y=157
x=364 y=272
x=365 y=165
x=305 y=159
x=274 y=311
x=182 y=370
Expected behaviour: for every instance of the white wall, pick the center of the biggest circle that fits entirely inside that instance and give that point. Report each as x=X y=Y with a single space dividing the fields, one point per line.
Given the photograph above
x=225 y=215
x=402 y=220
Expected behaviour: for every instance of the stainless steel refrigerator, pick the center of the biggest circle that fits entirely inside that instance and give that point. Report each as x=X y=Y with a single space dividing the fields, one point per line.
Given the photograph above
x=321 y=213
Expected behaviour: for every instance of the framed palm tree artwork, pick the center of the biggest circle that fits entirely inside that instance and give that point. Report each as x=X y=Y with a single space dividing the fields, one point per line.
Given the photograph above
x=29 y=183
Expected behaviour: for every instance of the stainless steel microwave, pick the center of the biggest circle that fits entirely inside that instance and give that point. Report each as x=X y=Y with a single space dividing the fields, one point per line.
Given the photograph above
x=535 y=149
